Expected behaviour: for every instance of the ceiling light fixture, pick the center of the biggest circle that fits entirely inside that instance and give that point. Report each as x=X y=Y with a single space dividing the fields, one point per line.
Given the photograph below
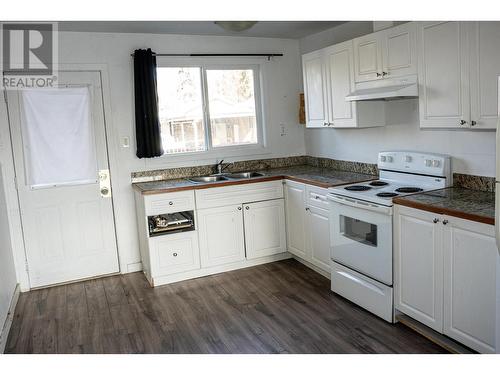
x=236 y=26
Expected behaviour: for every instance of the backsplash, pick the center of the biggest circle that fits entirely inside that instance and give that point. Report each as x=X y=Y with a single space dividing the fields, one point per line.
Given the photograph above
x=255 y=165
x=469 y=181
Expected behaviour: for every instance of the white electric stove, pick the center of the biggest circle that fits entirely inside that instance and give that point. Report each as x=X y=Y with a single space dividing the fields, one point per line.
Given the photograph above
x=361 y=225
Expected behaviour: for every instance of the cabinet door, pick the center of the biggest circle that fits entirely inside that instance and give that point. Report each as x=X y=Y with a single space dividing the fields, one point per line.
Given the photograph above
x=315 y=90
x=399 y=53
x=443 y=75
x=418 y=266
x=221 y=235
x=484 y=70
x=368 y=57
x=471 y=267
x=318 y=237
x=264 y=228
x=295 y=218
x=340 y=74
x=174 y=253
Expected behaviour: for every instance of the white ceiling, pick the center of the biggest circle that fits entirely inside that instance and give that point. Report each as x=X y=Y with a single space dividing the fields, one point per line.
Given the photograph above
x=266 y=29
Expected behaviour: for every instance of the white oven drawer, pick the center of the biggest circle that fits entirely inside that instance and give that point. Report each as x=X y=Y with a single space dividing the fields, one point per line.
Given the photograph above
x=363 y=291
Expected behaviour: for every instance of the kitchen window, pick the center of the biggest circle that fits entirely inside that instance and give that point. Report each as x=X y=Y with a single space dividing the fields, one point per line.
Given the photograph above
x=204 y=108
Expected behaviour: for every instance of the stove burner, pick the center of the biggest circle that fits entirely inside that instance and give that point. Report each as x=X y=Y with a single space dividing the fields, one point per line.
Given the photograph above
x=408 y=190
x=378 y=183
x=357 y=188
x=387 y=195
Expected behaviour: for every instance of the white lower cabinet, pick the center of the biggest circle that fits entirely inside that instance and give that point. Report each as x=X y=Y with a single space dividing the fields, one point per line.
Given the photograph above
x=221 y=235
x=264 y=228
x=318 y=237
x=308 y=229
x=175 y=253
x=447 y=276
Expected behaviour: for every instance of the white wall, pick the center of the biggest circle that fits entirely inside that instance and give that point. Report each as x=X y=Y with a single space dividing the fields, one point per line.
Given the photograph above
x=281 y=87
x=472 y=152
x=8 y=280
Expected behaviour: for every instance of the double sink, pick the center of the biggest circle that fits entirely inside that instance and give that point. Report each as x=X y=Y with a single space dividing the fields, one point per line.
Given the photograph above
x=225 y=177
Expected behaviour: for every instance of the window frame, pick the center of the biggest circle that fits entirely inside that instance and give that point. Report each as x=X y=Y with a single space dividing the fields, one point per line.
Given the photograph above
x=215 y=64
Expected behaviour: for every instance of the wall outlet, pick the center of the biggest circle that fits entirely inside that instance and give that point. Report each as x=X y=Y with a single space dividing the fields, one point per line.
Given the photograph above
x=282 y=130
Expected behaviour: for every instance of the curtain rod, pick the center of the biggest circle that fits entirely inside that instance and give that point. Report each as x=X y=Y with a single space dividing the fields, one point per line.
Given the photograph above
x=268 y=55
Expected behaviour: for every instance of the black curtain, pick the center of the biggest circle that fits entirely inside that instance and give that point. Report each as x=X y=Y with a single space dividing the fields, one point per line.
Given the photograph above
x=147 y=123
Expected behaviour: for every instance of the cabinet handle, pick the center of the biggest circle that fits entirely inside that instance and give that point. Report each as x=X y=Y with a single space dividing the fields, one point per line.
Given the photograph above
x=307 y=209
x=463 y=122
x=473 y=123
x=239 y=208
x=247 y=208
x=384 y=74
x=379 y=75
x=436 y=220
x=445 y=222
x=170 y=203
x=330 y=124
x=174 y=254
x=325 y=124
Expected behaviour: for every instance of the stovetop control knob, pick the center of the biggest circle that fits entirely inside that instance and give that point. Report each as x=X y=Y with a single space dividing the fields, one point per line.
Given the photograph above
x=407 y=158
x=389 y=159
x=383 y=158
x=428 y=162
x=435 y=163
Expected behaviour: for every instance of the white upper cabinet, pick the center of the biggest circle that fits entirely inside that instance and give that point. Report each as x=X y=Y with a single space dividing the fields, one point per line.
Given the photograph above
x=315 y=90
x=399 y=51
x=484 y=40
x=385 y=54
x=443 y=75
x=368 y=57
x=459 y=65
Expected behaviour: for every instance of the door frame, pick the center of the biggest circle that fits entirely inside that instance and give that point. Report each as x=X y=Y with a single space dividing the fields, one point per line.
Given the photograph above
x=19 y=251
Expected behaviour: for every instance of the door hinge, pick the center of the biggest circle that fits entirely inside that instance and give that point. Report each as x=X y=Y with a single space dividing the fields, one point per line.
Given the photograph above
x=27 y=266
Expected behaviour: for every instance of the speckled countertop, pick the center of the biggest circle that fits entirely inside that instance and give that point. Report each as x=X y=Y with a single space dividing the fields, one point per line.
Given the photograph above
x=464 y=203
x=322 y=177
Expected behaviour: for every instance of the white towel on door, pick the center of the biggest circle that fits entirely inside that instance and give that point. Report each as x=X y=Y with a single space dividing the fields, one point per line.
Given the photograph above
x=58 y=137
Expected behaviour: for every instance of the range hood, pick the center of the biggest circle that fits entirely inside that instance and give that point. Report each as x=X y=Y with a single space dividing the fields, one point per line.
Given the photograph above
x=385 y=89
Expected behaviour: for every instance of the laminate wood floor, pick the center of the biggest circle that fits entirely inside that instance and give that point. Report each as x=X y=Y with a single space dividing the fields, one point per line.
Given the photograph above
x=281 y=307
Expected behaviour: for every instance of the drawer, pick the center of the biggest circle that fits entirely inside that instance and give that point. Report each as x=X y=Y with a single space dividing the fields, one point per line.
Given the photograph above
x=169 y=202
x=174 y=253
x=238 y=194
x=317 y=197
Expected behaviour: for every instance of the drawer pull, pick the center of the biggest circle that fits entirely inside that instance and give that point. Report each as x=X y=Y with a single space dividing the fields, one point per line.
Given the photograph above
x=170 y=203
x=174 y=254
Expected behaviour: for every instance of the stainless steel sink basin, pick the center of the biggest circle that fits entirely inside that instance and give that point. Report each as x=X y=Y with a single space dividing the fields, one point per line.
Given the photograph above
x=205 y=179
x=242 y=175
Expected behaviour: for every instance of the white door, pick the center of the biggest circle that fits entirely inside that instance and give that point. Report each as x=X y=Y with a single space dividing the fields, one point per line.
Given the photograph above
x=399 y=53
x=471 y=269
x=69 y=229
x=484 y=70
x=368 y=57
x=315 y=90
x=318 y=237
x=418 y=266
x=221 y=238
x=264 y=228
x=295 y=194
x=340 y=73
x=444 y=99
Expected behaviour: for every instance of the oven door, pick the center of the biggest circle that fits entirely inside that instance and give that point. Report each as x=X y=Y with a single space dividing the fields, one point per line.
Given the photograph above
x=361 y=237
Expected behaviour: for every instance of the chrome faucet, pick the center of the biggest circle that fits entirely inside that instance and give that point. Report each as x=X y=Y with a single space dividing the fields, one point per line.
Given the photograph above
x=220 y=166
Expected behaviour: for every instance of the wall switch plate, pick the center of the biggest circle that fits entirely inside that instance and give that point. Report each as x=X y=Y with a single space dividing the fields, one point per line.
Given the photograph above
x=125 y=142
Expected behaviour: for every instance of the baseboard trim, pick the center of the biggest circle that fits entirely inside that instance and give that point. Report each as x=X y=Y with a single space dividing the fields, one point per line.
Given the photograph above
x=316 y=269
x=443 y=341
x=4 y=335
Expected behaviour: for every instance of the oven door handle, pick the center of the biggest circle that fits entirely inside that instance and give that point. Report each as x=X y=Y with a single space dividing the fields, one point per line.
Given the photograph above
x=360 y=204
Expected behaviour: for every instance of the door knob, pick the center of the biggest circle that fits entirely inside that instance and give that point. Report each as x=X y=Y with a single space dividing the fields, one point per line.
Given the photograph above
x=239 y=208
x=104 y=191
